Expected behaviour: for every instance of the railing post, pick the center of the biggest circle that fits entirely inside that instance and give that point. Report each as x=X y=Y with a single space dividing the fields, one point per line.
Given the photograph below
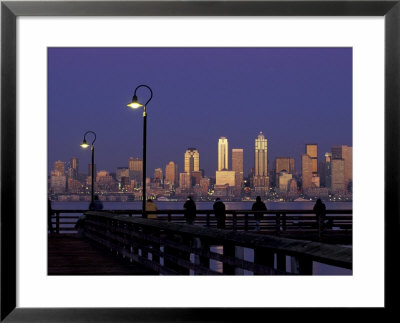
x=229 y=250
x=278 y=224
x=281 y=261
x=169 y=217
x=283 y=221
x=263 y=257
x=58 y=222
x=246 y=222
x=204 y=261
x=302 y=265
x=234 y=220
x=208 y=219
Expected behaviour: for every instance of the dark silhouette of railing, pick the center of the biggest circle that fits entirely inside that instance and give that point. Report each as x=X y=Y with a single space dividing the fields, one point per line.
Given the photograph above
x=277 y=222
x=169 y=248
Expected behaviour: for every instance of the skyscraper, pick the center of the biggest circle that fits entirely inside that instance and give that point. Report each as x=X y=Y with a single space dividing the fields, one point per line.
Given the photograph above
x=261 y=179
x=312 y=151
x=59 y=166
x=337 y=175
x=171 y=173
x=223 y=154
x=237 y=167
x=135 y=166
x=192 y=160
x=75 y=164
x=283 y=163
x=306 y=171
x=345 y=153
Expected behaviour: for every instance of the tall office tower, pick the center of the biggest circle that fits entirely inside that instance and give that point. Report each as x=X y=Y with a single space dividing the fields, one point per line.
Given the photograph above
x=281 y=164
x=325 y=171
x=345 y=153
x=306 y=171
x=121 y=172
x=237 y=167
x=58 y=182
x=204 y=185
x=171 y=173
x=75 y=164
x=337 y=175
x=158 y=174
x=196 y=176
x=192 y=160
x=283 y=180
x=184 y=181
x=261 y=179
x=223 y=154
x=59 y=166
x=312 y=151
x=90 y=169
x=135 y=166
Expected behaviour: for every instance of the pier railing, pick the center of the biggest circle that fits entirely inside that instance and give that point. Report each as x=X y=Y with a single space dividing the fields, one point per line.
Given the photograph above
x=276 y=222
x=180 y=249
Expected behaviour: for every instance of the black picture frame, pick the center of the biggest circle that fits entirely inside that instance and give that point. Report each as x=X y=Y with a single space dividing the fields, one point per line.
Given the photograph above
x=10 y=10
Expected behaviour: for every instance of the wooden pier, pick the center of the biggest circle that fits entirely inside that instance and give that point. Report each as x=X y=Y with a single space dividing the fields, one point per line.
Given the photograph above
x=132 y=245
x=70 y=255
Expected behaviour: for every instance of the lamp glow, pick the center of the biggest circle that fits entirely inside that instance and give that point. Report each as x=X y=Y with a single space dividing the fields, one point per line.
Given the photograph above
x=134 y=104
x=84 y=144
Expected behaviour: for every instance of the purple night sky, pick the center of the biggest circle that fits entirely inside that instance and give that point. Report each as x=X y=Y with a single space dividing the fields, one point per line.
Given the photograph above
x=293 y=95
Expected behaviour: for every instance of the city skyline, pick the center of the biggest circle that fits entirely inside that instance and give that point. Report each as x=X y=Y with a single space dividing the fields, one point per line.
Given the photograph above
x=292 y=95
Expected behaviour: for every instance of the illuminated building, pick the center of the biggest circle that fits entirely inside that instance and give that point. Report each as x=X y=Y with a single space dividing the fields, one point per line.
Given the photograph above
x=171 y=173
x=223 y=157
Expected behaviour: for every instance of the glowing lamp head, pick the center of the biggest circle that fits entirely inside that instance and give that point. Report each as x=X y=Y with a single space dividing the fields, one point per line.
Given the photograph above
x=84 y=144
x=134 y=104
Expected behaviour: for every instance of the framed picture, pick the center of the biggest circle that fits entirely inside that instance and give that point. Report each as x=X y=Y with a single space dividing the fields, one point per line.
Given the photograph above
x=15 y=127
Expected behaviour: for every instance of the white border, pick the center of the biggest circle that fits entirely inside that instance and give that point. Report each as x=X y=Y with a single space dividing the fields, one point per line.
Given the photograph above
x=364 y=288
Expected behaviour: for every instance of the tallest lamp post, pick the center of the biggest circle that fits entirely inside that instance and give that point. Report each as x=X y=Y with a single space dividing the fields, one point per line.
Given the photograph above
x=134 y=105
x=85 y=145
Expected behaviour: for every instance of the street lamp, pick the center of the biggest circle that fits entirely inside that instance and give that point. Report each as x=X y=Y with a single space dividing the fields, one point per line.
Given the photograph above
x=135 y=105
x=84 y=144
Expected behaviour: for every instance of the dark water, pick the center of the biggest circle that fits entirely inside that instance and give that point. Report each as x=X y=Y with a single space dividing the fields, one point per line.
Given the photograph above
x=318 y=268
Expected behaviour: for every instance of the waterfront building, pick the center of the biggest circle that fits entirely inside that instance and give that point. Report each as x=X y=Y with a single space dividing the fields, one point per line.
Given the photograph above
x=306 y=171
x=192 y=160
x=338 y=183
x=58 y=182
x=74 y=186
x=158 y=175
x=261 y=179
x=312 y=151
x=105 y=182
x=195 y=177
x=184 y=181
x=237 y=167
x=171 y=173
x=283 y=180
x=346 y=153
x=204 y=185
x=225 y=177
x=292 y=186
x=121 y=172
x=75 y=164
x=283 y=164
x=59 y=166
x=223 y=157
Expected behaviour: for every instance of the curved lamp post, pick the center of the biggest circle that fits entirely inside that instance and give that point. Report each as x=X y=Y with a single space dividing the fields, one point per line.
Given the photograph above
x=84 y=144
x=135 y=105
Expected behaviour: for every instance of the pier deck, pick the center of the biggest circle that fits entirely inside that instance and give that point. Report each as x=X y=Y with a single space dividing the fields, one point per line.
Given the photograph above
x=70 y=255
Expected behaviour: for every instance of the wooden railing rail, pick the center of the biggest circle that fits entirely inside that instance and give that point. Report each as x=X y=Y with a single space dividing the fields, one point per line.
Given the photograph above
x=169 y=248
x=277 y=221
